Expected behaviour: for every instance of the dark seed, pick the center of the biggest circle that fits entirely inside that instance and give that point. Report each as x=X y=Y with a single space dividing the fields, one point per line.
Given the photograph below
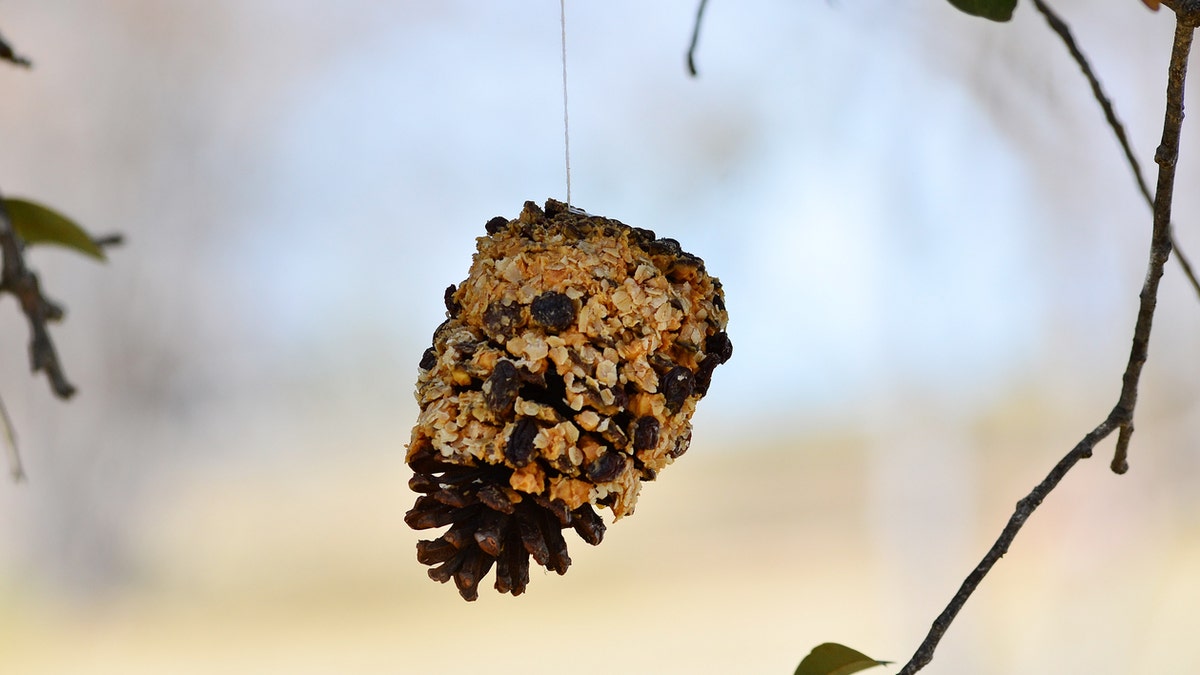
x=496 y=224
x=501 y=387
x=502 y=320
x=452 y=306
x=665 y=246
x=645 y=433
x=532 y=212
x=441 y=328
x=676 y=387
x=620 y=398
x=704 y=373
x=606 y=467
x=661 y=364
x=684 y=268
x=428 y=359
x=718 y=345
x=647 y=236
x=553 y=310
x=520 y=442
x=615 y=435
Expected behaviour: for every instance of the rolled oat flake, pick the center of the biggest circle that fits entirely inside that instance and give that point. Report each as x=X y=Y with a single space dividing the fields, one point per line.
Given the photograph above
x=566 y=373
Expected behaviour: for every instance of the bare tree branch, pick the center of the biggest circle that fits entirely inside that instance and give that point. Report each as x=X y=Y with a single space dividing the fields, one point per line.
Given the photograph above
x=1025 y=508
x=1121 y=417
x=1160 y=245
x=16 y=470
x=7 y=54
x=691 y=53
x=1064 y=32
x=107 y=240
x=18 y=279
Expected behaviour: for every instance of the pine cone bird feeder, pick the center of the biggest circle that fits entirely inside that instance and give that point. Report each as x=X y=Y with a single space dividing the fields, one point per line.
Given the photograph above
x=566 y=374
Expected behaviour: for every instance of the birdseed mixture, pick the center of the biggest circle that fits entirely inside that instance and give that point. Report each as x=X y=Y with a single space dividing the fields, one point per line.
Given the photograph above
x=566 y=374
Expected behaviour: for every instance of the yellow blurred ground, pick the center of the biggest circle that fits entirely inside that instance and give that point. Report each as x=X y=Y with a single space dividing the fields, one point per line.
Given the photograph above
x=736 y=562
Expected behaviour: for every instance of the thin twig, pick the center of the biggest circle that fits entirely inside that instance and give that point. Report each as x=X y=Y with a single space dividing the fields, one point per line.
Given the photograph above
x=691 y=53
x=18 y=279
x=1025 y=508
x=107 y=240
x=1121 y=417
x=7 y=54
x=1064 y=32
x=16 y=469
x=1160 y=244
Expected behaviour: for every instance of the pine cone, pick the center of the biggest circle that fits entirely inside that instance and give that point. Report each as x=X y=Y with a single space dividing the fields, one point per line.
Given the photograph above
x=566 y=373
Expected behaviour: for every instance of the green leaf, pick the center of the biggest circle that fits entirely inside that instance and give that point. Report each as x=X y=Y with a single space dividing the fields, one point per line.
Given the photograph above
x=996 y=10
x=38 y=224
x=834 y=659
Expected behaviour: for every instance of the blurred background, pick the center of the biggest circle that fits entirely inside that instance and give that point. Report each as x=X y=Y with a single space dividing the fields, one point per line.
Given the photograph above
x=931 y=250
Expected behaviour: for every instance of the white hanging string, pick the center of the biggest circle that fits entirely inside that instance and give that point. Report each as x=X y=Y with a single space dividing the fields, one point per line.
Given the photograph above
x=562 y=13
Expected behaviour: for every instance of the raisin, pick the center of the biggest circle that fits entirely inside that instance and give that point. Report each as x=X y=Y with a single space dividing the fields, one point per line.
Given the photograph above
x=532 y=213
x=676 y=387
x=501 y=387
x=553 y=310
x=440 y=330
x=502 y=320
x=496 y=224
x=681 y=446
x=452 y=306
x=428 y=359
x=718 y=345
x=704 y=373
x=665 y=246
x=718 y=297
x=606 y=467
x=645 y=433
x=520 y=442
